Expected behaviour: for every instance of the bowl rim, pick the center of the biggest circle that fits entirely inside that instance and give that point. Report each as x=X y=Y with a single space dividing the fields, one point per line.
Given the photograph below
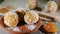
x=3 y=27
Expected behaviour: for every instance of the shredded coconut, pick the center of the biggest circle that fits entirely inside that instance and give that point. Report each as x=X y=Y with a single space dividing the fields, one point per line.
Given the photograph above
x=31 y=27
x=16 y=29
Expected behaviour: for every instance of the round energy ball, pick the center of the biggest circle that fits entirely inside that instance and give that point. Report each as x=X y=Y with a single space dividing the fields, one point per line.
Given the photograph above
x=51 y=7
x=31 y=17
x=11 y=19
x=32 y=4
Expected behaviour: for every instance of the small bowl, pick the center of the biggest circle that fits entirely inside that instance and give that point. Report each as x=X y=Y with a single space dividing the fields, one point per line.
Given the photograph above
x=23 y=29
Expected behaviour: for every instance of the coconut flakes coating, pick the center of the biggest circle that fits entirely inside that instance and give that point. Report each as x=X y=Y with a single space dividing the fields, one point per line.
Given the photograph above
x=51 y=7
x=31 y=17
x=11 y=19
x=32 y=4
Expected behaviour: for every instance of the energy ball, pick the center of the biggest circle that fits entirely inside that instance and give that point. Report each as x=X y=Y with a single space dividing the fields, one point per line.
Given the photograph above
x=32 y=4
x=31 y=17
x=11 y=19
x=51 y=7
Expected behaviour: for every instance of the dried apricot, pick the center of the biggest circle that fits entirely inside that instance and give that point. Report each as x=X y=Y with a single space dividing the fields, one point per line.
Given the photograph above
x=3 y=10
x=50 y=27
